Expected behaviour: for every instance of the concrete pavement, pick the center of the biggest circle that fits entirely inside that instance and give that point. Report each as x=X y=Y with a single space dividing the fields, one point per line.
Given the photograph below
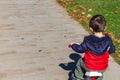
x=33 y=41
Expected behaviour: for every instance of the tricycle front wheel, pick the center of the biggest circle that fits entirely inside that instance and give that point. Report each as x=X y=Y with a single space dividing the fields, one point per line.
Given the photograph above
x=90 y=78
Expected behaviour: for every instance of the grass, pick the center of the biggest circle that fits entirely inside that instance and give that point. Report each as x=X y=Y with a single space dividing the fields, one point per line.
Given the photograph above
x=83 y=10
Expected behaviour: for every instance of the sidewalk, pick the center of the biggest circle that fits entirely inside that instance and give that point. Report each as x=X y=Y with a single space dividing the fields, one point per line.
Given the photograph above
x=34 y=35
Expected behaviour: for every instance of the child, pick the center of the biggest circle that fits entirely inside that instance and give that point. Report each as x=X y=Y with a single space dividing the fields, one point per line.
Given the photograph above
x=96 y=48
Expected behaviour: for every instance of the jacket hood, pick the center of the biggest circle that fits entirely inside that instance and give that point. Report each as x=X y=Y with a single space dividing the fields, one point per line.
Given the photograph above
x=97 y=45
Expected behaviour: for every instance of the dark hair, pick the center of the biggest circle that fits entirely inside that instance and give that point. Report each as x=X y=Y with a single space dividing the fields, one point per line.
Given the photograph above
x=97 y=23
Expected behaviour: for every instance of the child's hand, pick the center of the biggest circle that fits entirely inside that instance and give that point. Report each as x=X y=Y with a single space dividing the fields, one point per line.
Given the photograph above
x=70 y=45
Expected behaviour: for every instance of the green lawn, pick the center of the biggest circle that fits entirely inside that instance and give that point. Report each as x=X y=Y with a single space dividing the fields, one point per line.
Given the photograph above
x=82 y=10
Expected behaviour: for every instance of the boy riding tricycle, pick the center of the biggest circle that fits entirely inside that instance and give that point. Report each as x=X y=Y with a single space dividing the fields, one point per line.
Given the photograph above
x=96 y=48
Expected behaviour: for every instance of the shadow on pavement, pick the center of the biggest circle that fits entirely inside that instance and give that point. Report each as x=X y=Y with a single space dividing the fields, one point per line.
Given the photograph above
x=70 y=66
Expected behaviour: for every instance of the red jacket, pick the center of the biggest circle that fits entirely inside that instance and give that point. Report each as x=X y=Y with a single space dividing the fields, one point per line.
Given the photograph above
x=94 y=62
x=96 y=51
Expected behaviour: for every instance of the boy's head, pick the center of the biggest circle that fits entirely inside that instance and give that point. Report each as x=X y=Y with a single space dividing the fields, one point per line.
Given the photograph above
x=97 y=23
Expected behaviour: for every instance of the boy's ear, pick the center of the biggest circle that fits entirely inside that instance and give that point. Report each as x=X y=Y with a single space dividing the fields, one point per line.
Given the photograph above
x=91 y=29
x=105 y=28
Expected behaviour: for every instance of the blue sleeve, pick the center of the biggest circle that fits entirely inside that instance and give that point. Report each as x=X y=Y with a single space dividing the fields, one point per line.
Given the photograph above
x=112 y=47
x=80 y=48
